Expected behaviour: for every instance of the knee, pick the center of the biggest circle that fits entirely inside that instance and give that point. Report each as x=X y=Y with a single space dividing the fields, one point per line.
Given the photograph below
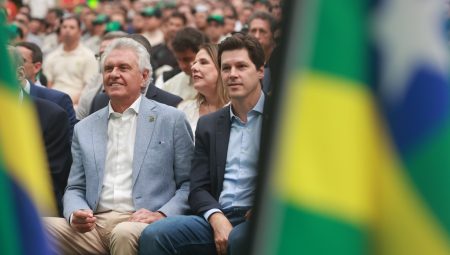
x=152 y=239
x=121 y=233
x=237 y=242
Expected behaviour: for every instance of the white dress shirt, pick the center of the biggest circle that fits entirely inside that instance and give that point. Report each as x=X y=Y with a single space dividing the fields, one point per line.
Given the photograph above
x=117 y=180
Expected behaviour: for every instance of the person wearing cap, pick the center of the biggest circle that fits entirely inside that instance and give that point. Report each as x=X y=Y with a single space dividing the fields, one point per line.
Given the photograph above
x=215 y=29
x=200 y=16
x=98 y=29
x=152 y=26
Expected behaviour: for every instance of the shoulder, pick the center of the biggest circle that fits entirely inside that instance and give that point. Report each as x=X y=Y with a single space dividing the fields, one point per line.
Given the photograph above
x=205 y=120
x=91 y=119
x=160 y=108
x=50 y=94
x=46 y=105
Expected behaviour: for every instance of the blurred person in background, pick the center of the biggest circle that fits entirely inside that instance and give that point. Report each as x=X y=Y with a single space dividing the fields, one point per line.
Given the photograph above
x=72 y=65
x=185 y=46
x=215 y=29
x=152 y=25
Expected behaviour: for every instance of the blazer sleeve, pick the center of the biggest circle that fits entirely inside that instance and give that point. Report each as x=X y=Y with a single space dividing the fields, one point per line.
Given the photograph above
x=183 y=150
x=74 y=196
x=67 y=104
x=201 y=197
x=58 y=153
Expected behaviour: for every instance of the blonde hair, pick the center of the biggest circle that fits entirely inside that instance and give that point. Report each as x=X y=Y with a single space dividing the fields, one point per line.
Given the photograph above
x=222 y=93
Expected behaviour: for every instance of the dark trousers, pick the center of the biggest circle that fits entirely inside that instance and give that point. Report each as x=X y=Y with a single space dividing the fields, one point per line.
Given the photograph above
x=192 y=235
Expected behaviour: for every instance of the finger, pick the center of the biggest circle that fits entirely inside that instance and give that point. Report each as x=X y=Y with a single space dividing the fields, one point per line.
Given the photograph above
x=218 y=249
x=82 y=214
x=223 y=248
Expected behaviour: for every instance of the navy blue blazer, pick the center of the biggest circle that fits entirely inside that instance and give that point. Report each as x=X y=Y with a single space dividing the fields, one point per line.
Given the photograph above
x=59 y=98
x=54 y=125
x=208 y=164
x=101 y=100
x=210 y=156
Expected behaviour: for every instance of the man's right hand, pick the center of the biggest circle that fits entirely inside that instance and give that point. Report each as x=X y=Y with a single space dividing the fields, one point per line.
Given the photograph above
x=222 y=228
x=83 y=221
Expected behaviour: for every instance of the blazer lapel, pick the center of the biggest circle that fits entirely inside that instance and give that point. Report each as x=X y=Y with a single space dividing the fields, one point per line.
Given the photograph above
x=222 y=138
x=147 y=118
x=100 y=139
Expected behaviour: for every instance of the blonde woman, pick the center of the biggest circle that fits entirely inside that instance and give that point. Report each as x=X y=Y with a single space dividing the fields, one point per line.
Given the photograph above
x=211 y=94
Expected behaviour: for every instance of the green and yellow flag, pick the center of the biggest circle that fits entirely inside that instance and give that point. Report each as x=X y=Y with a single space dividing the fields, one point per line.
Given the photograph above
x=24 y=175
x=361 y=156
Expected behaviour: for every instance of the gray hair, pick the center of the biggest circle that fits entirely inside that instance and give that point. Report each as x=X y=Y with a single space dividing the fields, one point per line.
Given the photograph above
x=141 y=53
x=15 y=57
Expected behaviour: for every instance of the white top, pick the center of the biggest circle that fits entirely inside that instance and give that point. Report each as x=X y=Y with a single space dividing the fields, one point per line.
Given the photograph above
x=181 y=85
x=70 y=71
x=192 y=110
x=116 y=193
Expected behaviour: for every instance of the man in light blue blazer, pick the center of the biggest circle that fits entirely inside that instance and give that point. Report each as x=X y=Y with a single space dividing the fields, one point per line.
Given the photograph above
x=131 y=163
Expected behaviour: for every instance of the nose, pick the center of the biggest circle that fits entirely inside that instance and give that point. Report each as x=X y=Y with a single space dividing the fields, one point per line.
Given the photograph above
x=256 y=34
x=115 y=72
x=194 y=68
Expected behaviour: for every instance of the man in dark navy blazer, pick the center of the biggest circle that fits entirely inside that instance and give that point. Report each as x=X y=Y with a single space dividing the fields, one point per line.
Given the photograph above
x=32 y=57
x=224 y=167
x=55 y=129
x=54 y=125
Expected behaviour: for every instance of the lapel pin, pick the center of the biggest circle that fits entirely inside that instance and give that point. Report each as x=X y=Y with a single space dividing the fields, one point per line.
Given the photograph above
x=151 y=118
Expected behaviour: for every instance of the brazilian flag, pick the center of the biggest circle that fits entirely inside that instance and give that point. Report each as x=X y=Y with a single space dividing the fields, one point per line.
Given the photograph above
x=24 y=176
x=360 y=148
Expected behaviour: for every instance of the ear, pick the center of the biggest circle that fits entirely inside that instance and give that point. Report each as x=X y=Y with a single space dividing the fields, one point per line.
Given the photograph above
x=37 y=67
x=260 y=73
x=20 y=73
x=145 y=76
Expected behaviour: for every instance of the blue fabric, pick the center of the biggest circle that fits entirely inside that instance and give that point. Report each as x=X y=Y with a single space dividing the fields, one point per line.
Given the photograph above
x=190 y=235
x=242 y=158
x=59 y=98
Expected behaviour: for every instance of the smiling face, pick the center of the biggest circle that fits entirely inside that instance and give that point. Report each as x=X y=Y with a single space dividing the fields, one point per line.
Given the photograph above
x=240 y=75
x=204 y=73
x=122 y=79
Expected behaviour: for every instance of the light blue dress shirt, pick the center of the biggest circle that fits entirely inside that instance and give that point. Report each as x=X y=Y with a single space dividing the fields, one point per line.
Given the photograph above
x=242 y=159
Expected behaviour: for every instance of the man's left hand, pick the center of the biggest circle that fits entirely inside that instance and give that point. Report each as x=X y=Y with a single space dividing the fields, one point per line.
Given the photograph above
x=146 y=216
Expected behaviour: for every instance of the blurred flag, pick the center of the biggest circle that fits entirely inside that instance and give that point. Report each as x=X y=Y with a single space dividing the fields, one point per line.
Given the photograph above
x=24 y=174
x=361 y=156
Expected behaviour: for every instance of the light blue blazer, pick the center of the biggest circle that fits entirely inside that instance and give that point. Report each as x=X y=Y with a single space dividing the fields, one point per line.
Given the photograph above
x=162 y=160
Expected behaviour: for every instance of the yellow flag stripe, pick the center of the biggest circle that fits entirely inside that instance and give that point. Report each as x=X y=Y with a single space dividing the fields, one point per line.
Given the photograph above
x=22 y=149
x=327 y=142
x=334 y=158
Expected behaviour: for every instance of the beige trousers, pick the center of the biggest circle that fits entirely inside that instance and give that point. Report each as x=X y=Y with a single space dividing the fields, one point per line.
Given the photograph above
x=113 y=234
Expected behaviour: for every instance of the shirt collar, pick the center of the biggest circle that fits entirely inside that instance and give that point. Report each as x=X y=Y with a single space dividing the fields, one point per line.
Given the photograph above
x=27 y=87
x=134 y=107
x=259 y=107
